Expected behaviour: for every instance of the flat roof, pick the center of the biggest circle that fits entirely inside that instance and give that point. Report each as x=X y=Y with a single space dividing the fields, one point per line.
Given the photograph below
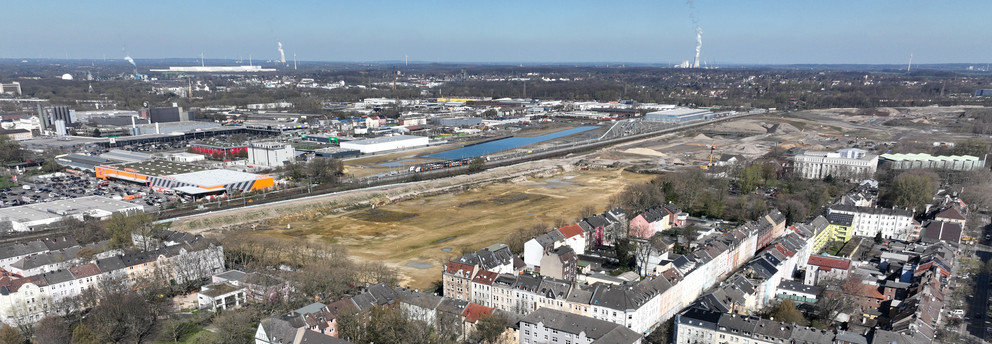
x=192 y=190
x=215 y=177
x=679 y=112
x=924 y=156
x=121 y=155
x=158 y=167
x=80 y=205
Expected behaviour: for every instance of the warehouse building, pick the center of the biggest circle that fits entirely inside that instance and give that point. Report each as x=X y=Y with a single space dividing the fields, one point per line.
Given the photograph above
x=927 y=161
x=680 y=115
x=188 y=179
x=30 y=217
x=388 y=143
x=270 y=154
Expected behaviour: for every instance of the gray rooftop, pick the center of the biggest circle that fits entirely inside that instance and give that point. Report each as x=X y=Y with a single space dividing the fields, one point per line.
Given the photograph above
x=97 y=206
x=598 y=330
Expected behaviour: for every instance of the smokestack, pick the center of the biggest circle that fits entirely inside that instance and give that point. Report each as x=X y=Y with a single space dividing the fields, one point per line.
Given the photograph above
x=133 y=125
x=157 y=131
x=699 y=45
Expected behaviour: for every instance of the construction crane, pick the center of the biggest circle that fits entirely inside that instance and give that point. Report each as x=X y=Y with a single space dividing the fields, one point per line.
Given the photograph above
x=712 y=148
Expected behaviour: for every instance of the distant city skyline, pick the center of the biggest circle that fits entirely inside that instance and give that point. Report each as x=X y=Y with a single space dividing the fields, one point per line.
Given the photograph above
x=653 y=32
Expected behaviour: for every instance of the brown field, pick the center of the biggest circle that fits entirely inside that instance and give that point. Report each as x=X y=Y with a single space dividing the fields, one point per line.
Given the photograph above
x=425 y=232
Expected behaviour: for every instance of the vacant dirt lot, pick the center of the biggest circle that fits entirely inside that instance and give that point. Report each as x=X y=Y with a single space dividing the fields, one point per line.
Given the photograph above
x=418 y=235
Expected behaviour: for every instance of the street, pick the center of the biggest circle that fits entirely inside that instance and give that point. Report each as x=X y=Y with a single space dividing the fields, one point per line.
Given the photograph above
x=975 y=318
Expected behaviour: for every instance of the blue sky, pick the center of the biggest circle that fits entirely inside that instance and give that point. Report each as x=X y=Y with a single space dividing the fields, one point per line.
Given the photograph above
x=753 y=32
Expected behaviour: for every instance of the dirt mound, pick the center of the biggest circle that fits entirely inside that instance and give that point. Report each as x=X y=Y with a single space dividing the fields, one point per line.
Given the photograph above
x=644 y=151
x=701 y=137
x=786 y=129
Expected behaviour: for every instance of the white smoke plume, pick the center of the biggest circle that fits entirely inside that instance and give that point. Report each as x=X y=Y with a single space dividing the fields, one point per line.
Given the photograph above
x=129 y=59
x=699 y=45
x=699 y=31
x=282 y=54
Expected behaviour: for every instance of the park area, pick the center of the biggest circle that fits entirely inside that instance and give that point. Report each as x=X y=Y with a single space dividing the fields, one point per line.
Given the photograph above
x=419 y=235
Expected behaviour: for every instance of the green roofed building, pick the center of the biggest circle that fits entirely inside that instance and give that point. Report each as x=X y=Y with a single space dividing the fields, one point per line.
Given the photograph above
x=927 y=161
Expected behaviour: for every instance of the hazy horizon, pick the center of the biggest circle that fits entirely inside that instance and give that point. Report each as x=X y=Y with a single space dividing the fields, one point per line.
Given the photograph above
x=648 y=32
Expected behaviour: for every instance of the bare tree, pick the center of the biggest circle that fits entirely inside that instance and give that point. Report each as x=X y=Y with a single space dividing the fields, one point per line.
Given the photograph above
x=52 y=329
x=836 y=298
x=643 y=250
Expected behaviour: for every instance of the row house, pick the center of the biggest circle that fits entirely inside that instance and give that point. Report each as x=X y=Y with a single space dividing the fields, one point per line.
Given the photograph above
x=657 y=219
x=553 y=326
x=496 y=258
x=696 y=325
x=536 y=248
x=598 y=227
x=636 y=305
x=27 y=299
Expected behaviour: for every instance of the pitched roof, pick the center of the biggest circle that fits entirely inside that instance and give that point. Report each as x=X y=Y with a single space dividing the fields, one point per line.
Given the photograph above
x=952 y=213
x=598 y=330
x=941 y=231
x=485 y=277
x=459 y=269
x=571 y=231
x=84 y=271
x=829 y=263
x=473 y=312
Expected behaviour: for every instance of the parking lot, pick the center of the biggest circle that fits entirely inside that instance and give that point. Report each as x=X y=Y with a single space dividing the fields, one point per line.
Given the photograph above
x=63 y=186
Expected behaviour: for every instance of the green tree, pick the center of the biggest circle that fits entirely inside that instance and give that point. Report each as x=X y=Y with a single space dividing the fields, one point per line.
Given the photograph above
x=912 y=190
x=121 y=226
x=476 y=165
x=10 y=150
x=786 y=312
x=96 y=132
x=750 y=178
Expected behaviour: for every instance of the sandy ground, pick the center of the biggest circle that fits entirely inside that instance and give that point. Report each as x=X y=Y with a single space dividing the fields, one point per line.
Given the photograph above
x=417 y=236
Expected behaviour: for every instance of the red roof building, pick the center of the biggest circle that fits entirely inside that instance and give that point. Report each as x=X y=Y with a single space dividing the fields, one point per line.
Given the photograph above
x=474 y=312
x=829 y=263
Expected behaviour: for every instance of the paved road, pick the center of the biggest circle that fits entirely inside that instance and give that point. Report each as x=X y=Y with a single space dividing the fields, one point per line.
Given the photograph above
x=979 y=303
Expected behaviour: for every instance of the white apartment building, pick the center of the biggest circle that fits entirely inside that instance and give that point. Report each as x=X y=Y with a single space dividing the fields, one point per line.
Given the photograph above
x=869 y=221
x=844 y=163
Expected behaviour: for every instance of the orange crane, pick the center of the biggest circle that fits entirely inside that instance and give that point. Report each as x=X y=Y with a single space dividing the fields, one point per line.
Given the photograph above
x=712 y=148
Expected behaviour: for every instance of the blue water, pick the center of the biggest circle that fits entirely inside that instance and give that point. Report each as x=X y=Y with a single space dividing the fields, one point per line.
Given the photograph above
x=502 y=145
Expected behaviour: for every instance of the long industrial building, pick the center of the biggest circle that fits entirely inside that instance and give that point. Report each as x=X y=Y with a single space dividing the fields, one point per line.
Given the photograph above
x=680 y=115
x=188 y=179
x=29 y=217
x=927 y=161
x=387 y=143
